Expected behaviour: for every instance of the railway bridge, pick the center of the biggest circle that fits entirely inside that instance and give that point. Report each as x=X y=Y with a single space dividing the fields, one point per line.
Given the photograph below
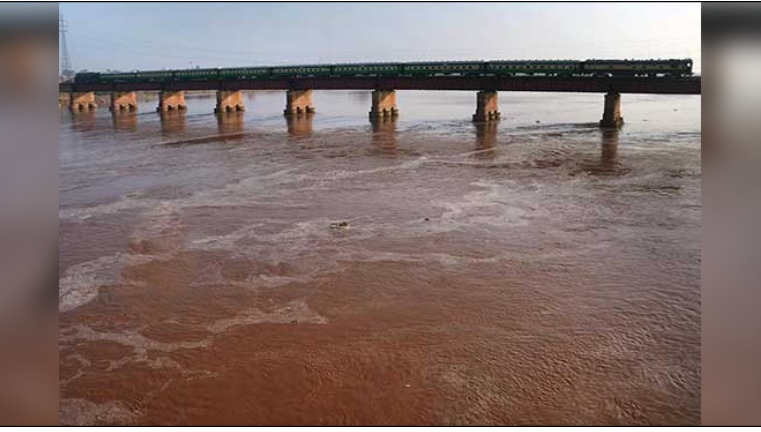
x=299 y=91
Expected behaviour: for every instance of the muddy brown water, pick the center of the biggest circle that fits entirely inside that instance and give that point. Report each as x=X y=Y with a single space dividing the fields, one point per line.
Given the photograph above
x=532 y=271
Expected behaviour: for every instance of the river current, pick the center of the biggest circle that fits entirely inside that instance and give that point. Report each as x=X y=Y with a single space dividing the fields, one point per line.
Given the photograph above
x=252 y=269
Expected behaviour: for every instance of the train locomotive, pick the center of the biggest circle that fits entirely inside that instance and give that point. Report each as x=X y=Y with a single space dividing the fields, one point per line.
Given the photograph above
x=598 y=68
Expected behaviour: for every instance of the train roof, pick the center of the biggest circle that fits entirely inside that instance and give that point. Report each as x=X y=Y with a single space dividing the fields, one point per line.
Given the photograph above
x=635 y=60
x=452 y=62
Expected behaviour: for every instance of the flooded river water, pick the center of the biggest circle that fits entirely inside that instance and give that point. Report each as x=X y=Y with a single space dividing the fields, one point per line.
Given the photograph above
x=536 y=270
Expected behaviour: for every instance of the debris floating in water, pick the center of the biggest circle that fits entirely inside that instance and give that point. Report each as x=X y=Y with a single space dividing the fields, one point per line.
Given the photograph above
x=340 y=225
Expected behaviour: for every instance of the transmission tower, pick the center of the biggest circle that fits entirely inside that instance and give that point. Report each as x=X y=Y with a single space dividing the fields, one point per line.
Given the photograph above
x=67 y=71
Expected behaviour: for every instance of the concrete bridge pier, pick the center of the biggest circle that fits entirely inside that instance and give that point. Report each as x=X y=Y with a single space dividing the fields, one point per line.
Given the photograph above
x=611 y=116
x=82 y=101
x=171 y=101
x=384 y=104
x=298 y=102
x=487 y=107
x=229 y=101
x=123 y=101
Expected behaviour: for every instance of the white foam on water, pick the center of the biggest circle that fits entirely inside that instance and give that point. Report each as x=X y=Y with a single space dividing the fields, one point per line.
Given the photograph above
x=344 y=174
x=425 y=258
x=500 y=204
x=226 y=241
x=254 y=184
x=294 y=312
x=82 y=412
x=79 y=284
x=256 y=188
x=290 y=242
x=156 y=237
x=83 y=362
x=125 y=203
x=508 y=204
x=158 y=231
x=140 y=345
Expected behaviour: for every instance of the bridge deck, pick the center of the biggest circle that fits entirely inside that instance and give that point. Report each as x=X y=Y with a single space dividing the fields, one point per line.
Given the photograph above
x=655 y=85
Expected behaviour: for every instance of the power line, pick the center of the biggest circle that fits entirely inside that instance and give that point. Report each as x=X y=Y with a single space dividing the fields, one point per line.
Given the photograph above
x=172 y=54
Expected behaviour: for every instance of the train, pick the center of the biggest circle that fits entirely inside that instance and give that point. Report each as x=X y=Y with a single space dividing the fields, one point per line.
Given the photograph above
x=609 y=68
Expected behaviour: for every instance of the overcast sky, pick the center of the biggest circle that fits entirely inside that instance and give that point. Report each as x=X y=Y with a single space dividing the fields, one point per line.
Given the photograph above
x=130 y=36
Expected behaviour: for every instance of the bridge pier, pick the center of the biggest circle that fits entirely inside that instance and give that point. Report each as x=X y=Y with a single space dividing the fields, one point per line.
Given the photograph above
x=298 y=102
x=82 y=101
x=384 y=104
x=229 y=101
x=487 y=107
x=171 y=101
x=611 y=116
x=121 y=101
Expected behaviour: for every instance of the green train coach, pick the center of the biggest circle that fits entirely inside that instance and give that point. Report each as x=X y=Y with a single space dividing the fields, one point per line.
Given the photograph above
x=632 y=68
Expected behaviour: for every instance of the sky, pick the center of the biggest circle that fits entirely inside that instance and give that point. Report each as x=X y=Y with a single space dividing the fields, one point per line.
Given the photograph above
x=140 y=36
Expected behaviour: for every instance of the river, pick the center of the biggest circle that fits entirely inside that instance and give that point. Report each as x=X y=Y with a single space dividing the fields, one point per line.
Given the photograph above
x=249 y=269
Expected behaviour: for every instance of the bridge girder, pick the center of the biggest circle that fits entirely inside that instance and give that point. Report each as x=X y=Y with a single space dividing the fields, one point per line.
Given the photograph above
x=646 y=85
